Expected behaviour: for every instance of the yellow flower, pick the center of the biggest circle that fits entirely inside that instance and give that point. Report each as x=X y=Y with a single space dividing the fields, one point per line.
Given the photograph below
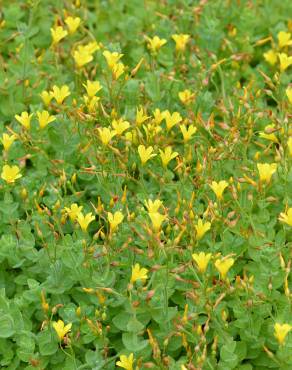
x=181 y=41
x=202 y=260
x=285 y=61
x=106 y=135
x=172 y=119
x=268 y=134
x=284 y=39
x=72 y=24
x=91 y=47
x=92 y=88
x=138 y=273
x=167 y=155
x=223 y=266
x=156 y=219
x=289 y=94
x=120 y=126
x=266 y=171
x=286 y=217
x=158 y=116
x=112 y=58
x=73 y=211
x=60 y=94
x=58 y=34
x=188 y=132
x=186 y=96
x=7 y=141
x=61 y=328
x=126 y=362
x=271 y=57
x=10 y=173
x=117 y=70
x=141 y=116
x=24 y=119
x=45 y=118
x=218 y=188
x=289 y=145
x=281 y=331
x=153 y=206
x=91 y=103
x=202 y=228
x=82 y=56
x=114 y=220
x=46 y=97
x=145 y=153
x=84 y=221
x=155 y=44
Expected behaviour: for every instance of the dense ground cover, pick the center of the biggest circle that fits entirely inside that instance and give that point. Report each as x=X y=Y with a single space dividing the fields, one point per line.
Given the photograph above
x=146 y=176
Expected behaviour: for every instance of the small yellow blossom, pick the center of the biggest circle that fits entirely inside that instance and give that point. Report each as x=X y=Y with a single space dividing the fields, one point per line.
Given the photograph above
x=24 y=119
x=289 y=145
x=73 y=211
x=126 y=362
x=91 y=103
x=289 y=94
x=117 y=70
x=223 y=266
x=91 y=47
x=7 y=141
x=45 y=118
x=114 y=220
x=141 y=116
x=106 y=134
x=285 y=61
x=112 y=58
x=60 y=93
x=84 y=221
x=172 y=119
x=92 y=88
x=155 y=44
x=72 y=24
x=46 y=97
x=61 y=328
x=82 y=56
x=188 y=132
x=58 y=34
x=120 y=126
x=153 y=206
x=266 y=171
x=218 y=188
x=10 y=173
x=202 y=228
x=284 y=39
x=281 y=331
x=286 y=217
x=181 y=41
x=268 y=134
x=138 y=273
x=157 y=220
x=145 y=153
x=167 y=155
x=158 y=116
x=271 y=57
x=202 y=260
x=186 y=96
